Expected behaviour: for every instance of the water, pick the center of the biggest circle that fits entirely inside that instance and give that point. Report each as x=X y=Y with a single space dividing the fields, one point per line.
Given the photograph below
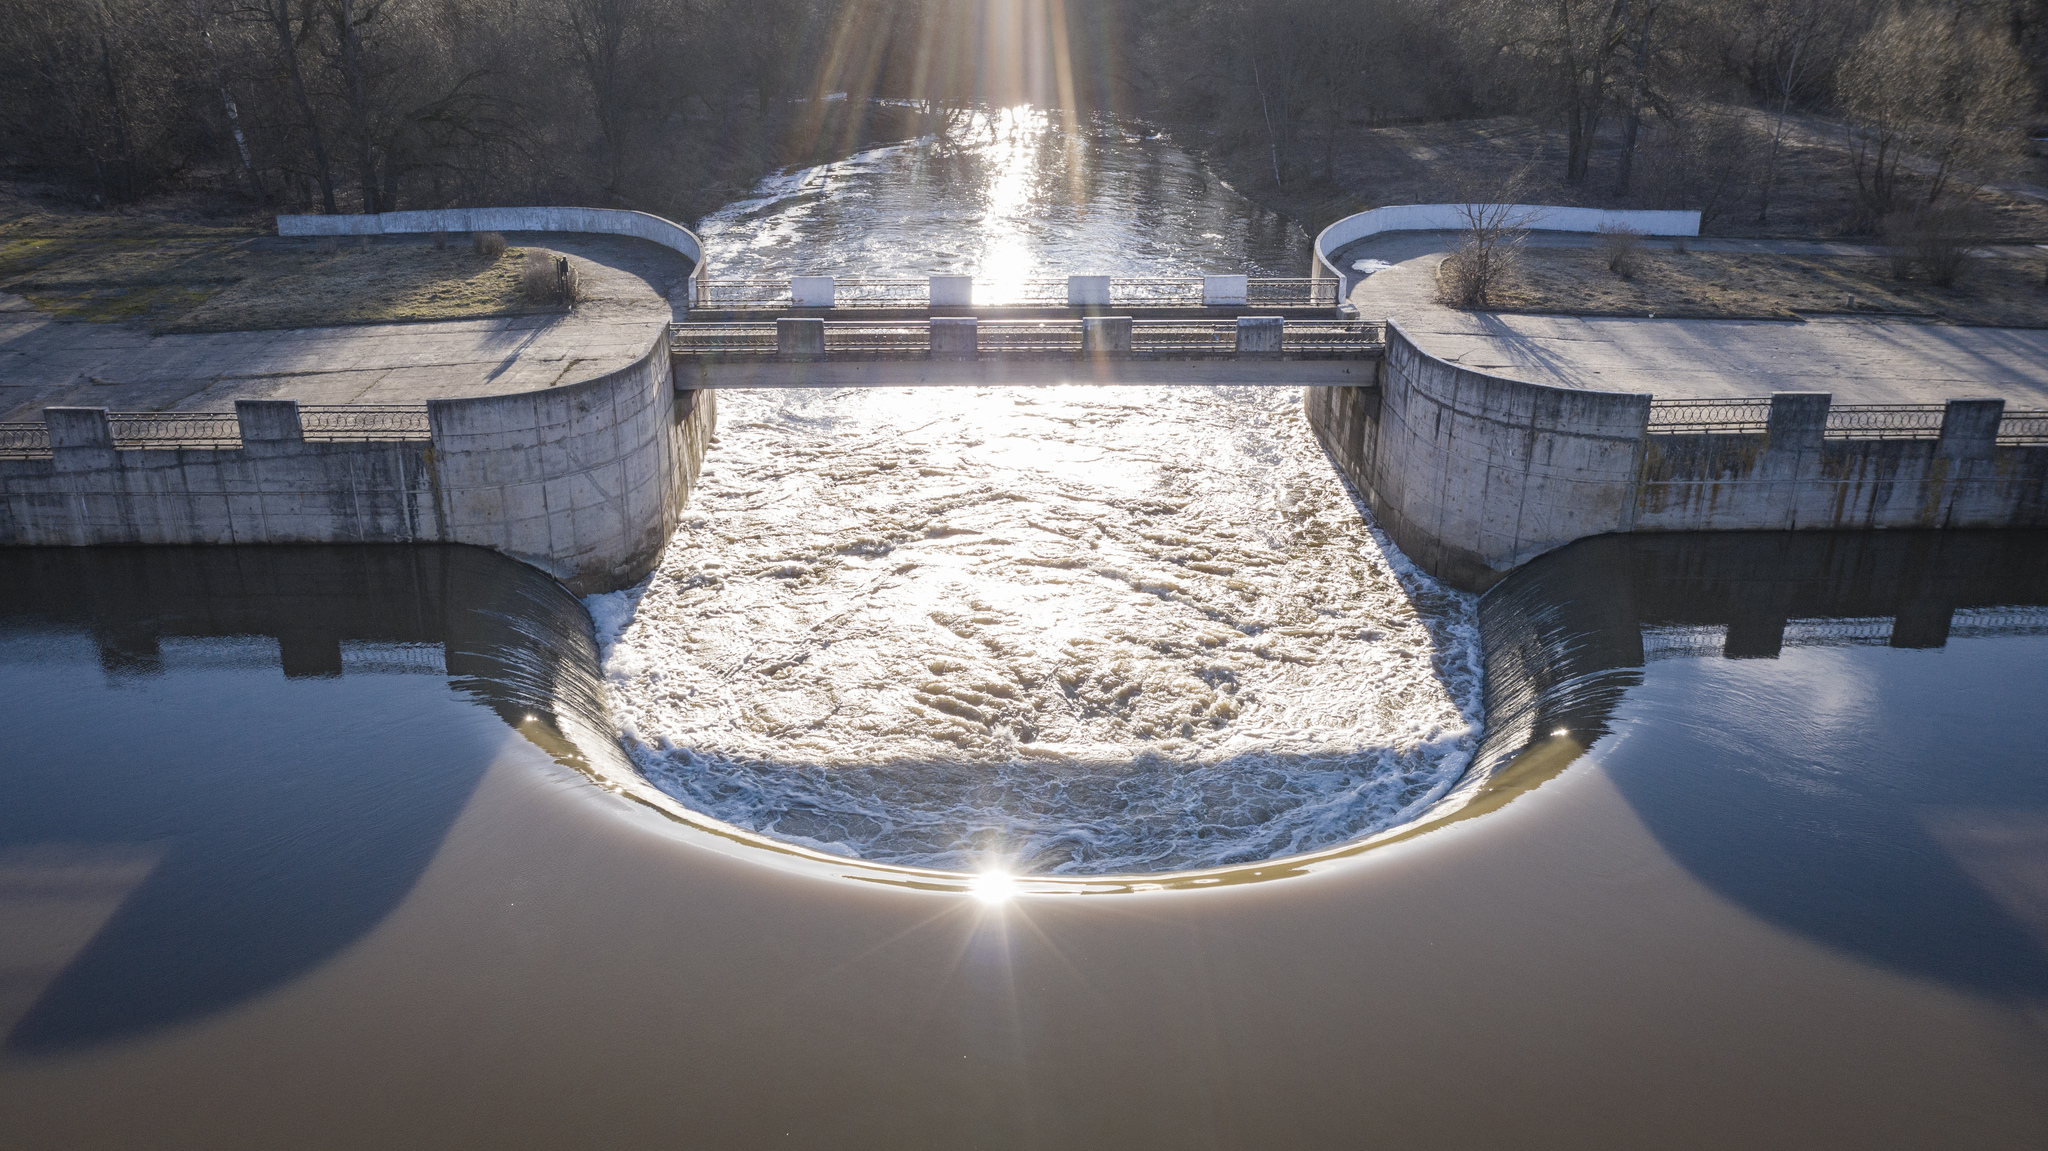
x=1005 y=195
x=1076 y=630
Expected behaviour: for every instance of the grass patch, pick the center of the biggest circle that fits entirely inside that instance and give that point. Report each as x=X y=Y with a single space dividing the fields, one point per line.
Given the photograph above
x=1999 y=292
x=188 y=278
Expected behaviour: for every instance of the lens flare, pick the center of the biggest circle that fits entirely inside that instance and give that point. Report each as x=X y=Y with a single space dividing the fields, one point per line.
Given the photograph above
x=993 y=887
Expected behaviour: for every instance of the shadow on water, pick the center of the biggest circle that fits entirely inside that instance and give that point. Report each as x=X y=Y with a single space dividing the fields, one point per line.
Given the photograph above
x=272 y=733
x=1840 y=732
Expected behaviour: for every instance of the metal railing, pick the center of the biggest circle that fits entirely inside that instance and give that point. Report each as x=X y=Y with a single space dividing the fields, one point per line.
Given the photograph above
x=911 y=339
x=2025 y=427
x=1712 y=417
x=1036 y=292
x=1023 y=338
x=1884 y=422
x=347 y=423
x=170 y=430
x=24 y=441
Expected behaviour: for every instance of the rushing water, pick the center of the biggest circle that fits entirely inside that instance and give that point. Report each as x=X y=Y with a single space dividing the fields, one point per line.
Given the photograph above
x=1077 y=629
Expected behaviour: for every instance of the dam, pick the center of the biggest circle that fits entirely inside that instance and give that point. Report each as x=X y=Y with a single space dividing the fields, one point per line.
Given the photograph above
x=1086 y=763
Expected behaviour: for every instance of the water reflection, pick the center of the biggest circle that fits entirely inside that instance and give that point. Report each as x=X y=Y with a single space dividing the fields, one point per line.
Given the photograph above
x=226 y=765
x=1005 y=195
x=1840 y=732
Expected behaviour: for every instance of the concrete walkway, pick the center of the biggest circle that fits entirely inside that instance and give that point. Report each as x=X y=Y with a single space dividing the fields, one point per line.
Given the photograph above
x=45 y=361
x=1859 y=360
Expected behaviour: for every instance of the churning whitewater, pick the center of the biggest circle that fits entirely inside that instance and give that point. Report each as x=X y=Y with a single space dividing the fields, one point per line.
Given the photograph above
x=1072 y=630
x=1082 y=630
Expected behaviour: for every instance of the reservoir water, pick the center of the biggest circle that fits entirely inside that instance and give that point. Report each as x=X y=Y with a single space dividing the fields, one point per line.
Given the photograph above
x=1667 y=841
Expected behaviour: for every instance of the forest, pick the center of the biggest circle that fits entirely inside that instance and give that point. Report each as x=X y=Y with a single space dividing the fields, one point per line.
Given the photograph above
x=675 y=106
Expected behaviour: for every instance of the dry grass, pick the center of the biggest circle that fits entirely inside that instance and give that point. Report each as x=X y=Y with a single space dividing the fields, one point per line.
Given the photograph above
x=1999 y=292
x=187 y=278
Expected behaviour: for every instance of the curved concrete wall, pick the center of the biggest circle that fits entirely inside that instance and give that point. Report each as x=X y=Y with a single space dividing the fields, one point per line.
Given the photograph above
x=599 y=221
x=585 y=482
x=1450 y=217
x=1473 y=475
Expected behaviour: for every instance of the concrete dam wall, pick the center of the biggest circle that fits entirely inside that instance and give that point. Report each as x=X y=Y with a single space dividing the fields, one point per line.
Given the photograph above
x=585 y=481
x=1473 y=474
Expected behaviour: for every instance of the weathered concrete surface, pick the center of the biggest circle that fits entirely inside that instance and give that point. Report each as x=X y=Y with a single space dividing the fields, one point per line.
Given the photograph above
x=594 y=221
x=48 y=362
x=1859 y=361
x=1474 y=474
x=584 y=481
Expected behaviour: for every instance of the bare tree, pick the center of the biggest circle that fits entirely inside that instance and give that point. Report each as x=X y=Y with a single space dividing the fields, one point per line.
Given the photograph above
x=1926 y=94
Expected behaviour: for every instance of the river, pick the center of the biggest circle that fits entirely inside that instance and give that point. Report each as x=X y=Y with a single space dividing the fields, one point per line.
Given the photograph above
x=1073 y=630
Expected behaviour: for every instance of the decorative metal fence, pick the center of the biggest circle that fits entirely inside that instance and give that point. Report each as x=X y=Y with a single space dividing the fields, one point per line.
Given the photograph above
x=1844 y=422
x=1884 y=422
x=24 y=441
x=1715 y=417
x=1194 y=339
x=345 y=423
x=1036 y=292
x=168 y=430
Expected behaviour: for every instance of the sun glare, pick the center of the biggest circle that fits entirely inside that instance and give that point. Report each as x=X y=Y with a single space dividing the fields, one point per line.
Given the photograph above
x=993 y=887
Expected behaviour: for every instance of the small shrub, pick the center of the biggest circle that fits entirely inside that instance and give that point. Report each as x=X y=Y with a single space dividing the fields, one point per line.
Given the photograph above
x=1934 y=238
x=328 y=245
x=441 y=241
x=488 y=244
x=363 y=243
x=1622 y=247
x=1681 y=245
x=548 y=279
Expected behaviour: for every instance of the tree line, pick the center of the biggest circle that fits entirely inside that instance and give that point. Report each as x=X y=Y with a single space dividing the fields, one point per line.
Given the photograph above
x=673 y=105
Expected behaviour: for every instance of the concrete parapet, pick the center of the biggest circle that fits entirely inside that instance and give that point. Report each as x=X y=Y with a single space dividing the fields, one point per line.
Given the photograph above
x=813 y=291
x=264 y=421
x=1225 y=291
x=956 y=338
x=1798 y=420
x=951 y=291
x=596 y=221
x=799 y=338
x=1106 y=336
x=1452 y=217
x=1260 y=335
x=1969 y=429
x=78 y=428
x=1088 y=291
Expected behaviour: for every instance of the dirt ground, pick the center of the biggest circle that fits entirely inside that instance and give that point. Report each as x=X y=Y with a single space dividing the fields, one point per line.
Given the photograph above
x=180 y=277
x=1992 y=292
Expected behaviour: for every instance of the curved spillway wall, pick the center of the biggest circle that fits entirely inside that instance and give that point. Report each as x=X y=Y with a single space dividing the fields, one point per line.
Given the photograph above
x=585 y=482
x=598 y=221
x=1452 y=217
x=1473 y=474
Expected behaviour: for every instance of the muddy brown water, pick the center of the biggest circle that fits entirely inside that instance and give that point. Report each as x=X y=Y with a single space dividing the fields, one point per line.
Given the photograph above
x=325 y=848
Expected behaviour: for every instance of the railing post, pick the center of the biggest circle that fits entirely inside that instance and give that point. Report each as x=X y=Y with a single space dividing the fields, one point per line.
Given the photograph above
x=1225 y=291
x=812 y=291
x=1260 y=337
x=951 y=292
x=799 y=338
x=955 y=338
x=269 y=421
x=1106 y=337
x=1969 y=429
x=1798 y=420
x=81 y=439
x=1087 y=291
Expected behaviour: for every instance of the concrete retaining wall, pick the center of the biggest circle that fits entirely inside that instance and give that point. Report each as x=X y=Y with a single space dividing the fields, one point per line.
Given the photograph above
x=598 y=221
x=585 y=482
x=1473 y=475
x=1451 y=217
